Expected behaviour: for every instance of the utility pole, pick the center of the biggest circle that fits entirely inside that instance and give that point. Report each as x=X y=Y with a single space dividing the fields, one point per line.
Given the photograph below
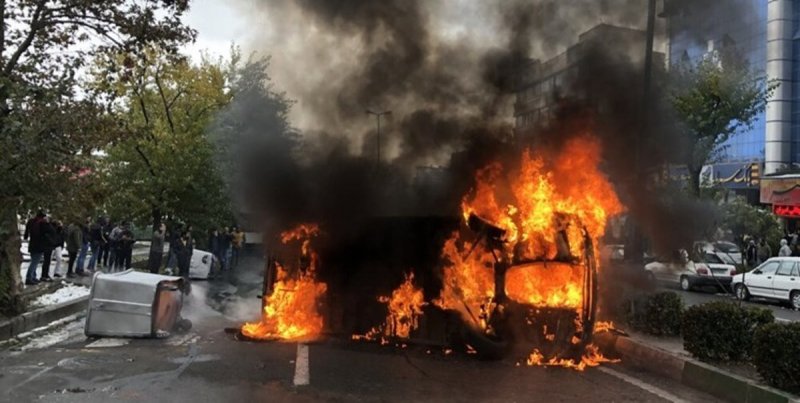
x=636 y=237
x=378 y=116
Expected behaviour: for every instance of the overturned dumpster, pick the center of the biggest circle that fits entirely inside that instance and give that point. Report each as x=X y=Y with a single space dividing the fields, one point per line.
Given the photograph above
x=135 y=304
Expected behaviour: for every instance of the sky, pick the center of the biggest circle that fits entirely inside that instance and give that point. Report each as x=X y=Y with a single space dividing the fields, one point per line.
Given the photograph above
x=218 y=25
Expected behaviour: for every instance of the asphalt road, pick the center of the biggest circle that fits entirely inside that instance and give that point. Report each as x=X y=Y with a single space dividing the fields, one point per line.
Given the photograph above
x=781 y=311
x=209 y=365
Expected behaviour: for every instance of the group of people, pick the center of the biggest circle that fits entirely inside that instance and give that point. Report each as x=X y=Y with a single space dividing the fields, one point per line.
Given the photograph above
x=105 y=244
x=225 y=245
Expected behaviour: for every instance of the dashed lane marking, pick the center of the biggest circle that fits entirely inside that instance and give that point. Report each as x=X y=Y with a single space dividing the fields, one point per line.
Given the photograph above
x=301 y=372
x=643 y=385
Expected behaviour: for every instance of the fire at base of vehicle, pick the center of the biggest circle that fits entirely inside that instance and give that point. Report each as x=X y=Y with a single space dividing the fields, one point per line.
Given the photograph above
x=518 y=279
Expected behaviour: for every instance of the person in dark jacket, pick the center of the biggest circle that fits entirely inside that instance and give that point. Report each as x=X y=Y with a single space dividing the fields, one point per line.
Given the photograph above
x=95 y=240
x=225 y=239
x=105 y=246
x=125 y=250
x=85 y=246
x=49 y=239
x=74 y=242
x=214 y=244
x=157 y=249
x=35 y=247
x=183 y=251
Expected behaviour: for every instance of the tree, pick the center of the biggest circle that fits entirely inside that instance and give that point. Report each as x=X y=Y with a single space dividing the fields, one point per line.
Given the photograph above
x=164 y=165
x=48 y=131
x=742 y=219
x=257 y=147
x=714 y=99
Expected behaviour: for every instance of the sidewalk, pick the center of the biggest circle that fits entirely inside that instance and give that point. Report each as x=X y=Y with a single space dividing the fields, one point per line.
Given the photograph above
x=665 y=356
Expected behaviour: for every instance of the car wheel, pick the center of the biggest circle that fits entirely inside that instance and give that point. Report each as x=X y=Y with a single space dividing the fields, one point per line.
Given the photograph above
x=742 y=293
x=794 y=300
x=686 y=285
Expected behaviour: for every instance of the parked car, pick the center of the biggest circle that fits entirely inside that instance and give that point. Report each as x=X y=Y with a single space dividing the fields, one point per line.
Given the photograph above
x=726 y=251
x=778 y=278
x=612 y=253
x=687 y=274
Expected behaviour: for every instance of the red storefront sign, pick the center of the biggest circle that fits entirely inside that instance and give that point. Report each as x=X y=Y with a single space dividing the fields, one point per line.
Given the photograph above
x=786 y=211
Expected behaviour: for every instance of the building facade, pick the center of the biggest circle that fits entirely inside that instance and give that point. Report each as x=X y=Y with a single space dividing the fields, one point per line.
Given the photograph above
x=767 y=34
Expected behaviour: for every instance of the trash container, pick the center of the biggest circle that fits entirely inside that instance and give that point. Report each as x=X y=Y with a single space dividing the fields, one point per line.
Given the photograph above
x=134 y=304
x=201 y=264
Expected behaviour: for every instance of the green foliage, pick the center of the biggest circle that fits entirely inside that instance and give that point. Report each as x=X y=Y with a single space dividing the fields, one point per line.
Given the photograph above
x=722 y=330
x=48 y=128
x=776 y=354
x=164 y=167
x=658 y=314
x=714 y=99
x=741 y=218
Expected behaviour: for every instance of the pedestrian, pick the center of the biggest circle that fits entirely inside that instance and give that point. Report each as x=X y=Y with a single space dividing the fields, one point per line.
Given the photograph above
x=238 y=241
x=157 y=249
x=174 y=238
x=105 y=247
x=751 y=253
x=95 y=240
x=74 y=242
x=785 y=250
x=49 y=240
x=214 y=238
x=764 y=251
x=226 y=240
x=183 y=252
x=61 y=236
x=114 y=239
x=125 y=249
x=84 y=246
x=33 y=235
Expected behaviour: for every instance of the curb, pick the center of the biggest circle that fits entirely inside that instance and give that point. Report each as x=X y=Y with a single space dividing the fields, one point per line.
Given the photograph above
x=41 y=317
x=692 y=373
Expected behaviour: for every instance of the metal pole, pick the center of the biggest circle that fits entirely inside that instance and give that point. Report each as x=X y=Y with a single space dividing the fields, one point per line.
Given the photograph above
x=378 y=116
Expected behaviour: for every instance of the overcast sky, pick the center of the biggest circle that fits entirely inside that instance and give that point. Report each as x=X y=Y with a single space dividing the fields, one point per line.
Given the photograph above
x=218 y=24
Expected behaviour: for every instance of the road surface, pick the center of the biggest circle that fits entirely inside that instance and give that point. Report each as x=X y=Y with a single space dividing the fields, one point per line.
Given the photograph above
x=209 y=365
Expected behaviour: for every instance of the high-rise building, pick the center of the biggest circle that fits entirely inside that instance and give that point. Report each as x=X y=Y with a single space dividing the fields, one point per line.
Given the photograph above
x=767 y=34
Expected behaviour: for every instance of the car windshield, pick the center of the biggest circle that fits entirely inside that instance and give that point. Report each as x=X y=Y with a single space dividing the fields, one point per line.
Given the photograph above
x=712 y=258
x=727 y=247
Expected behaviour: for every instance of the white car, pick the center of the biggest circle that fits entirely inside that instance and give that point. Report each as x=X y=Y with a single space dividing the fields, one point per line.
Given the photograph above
x=688 y=274
x=778 y=278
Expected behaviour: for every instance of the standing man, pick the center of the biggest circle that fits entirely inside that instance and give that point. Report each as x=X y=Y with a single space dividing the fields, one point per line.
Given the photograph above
x=785 y=250
x=214 y=239
x=33 y=235
x=74 y=242
x=114 y=238
x=174 y=238
x=157 y=249
x=238 y=243
x=105 y=247
x=61 y=236
x=48 y=232
x=184 y=254
x=95 y=240
x=225 y=240
x=84 y=245
x=126 y=242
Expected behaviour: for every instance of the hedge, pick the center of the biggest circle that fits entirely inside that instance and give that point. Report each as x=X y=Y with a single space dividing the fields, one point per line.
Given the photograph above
x=658 y=314
x=776 y=355
x=722 y=330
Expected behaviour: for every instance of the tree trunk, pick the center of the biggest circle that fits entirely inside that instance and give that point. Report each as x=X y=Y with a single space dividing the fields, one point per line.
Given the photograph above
x=694 y=180
x=156 y=218
x=10 y=279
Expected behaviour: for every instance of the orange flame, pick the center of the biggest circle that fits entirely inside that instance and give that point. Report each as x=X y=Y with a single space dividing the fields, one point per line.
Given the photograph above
x=405 y=308
x=591 y=358
x=290 y=312
x=545 y=207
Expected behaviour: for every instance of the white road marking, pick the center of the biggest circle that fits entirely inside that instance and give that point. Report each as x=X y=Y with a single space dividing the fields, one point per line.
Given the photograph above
x=783 y=320
x=108 y=342
x=301 y=373
x=641 y=384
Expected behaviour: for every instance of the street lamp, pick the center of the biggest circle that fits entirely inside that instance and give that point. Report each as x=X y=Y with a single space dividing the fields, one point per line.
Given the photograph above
x=378 y=116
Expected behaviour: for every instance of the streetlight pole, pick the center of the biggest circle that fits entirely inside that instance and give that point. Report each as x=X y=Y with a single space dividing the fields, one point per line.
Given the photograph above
x=378 y=116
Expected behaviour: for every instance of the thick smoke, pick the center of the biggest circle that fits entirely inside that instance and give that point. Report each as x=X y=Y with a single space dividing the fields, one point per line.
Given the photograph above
x=447 y=71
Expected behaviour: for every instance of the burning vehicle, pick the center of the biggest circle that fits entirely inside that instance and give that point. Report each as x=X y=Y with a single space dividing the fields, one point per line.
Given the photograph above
x=516 y=277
